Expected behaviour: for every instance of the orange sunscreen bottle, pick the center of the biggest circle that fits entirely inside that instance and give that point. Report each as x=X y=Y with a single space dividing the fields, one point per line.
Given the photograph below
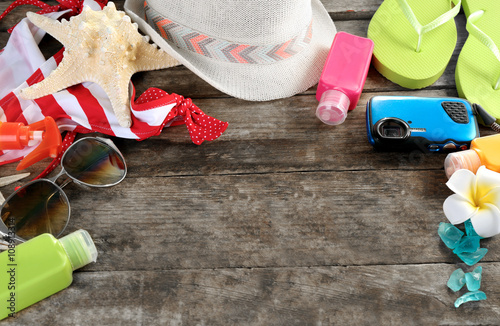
x=41 y=267
x=483 y=151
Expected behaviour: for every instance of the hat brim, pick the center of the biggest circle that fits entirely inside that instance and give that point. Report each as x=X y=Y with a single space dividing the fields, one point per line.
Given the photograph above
x=254 y=82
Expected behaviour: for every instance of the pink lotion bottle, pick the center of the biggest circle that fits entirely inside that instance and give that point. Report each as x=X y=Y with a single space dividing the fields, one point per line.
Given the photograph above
x=343 y=77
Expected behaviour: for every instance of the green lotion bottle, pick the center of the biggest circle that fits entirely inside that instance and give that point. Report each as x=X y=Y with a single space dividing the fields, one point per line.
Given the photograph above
x=40 y=267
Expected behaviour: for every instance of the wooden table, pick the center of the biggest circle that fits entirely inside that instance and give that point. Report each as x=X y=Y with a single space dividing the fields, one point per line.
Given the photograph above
x=281 y=221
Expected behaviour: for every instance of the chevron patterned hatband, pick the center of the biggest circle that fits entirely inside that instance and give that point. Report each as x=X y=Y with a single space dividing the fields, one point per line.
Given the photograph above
x=189 y=39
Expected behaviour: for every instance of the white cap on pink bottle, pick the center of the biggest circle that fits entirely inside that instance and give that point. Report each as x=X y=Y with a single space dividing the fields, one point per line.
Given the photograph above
x=333 y=107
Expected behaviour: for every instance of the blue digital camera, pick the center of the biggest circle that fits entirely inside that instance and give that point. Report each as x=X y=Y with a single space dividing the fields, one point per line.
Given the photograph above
x=424 y=123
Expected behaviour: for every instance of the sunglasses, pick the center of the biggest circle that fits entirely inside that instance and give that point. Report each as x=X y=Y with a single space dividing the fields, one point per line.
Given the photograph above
x=41 y=206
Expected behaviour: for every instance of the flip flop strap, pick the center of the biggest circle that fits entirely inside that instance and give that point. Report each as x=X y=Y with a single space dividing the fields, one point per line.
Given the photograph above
x=482 y=37
x=421 y=30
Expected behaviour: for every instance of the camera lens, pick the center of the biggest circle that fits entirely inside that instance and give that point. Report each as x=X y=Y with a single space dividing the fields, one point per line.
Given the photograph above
x=392 y=128
x=392 y=131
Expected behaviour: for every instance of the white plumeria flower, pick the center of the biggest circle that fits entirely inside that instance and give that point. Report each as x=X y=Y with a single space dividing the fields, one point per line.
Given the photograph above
x=477 y=197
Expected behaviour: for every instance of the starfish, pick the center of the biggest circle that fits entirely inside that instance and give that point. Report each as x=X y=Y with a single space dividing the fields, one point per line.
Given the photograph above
x=103 y=47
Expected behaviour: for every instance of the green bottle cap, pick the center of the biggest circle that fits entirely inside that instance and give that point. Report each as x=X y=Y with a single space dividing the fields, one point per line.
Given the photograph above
x=80 y=248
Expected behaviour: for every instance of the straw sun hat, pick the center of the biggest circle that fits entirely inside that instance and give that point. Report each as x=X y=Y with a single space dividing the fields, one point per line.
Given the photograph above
x=256 y=50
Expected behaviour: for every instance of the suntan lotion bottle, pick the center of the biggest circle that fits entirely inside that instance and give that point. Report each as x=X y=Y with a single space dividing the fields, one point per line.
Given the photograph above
x=343 y=77
x=483 y=151
x=40 y=267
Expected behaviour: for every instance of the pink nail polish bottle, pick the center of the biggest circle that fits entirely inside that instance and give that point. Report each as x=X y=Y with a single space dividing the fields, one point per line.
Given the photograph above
x=343 y=77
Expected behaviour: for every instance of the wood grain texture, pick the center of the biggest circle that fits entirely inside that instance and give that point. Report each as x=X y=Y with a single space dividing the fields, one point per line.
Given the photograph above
x=266 y=220
x=352 y=295
x=281 y=221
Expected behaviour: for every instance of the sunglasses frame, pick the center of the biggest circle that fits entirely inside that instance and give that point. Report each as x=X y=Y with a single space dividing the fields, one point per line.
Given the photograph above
x=108 y=142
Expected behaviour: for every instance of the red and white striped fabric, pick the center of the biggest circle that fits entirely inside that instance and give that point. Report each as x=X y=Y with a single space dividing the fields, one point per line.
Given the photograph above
x=85 y=107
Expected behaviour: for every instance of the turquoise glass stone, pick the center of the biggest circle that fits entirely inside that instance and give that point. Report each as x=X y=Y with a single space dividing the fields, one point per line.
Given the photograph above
x=470 y=296
x=473 y=279
x=450 y=234
x=467 y=244
x=469 y=229
x=471 y=258
x=457 y=280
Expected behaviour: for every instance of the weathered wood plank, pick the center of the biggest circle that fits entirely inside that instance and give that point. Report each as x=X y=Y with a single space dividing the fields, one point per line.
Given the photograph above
x=356 y=9
x=276 y=136
x=267 y=220
x=367 y=295
x=13 y=17
x=279 y=136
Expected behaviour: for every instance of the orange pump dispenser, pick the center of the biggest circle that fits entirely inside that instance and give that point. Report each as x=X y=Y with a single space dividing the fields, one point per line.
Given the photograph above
x=15 y=135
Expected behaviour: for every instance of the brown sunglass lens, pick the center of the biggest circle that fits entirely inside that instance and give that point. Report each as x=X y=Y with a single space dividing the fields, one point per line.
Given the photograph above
x=94 y=163
x=39 y=207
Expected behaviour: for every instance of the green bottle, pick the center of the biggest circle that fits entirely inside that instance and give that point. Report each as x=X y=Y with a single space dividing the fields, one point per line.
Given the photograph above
x=40 y=267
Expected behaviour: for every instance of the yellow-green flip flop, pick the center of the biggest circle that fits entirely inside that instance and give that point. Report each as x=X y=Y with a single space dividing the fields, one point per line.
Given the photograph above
x=478 y=67
x=414 y=40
